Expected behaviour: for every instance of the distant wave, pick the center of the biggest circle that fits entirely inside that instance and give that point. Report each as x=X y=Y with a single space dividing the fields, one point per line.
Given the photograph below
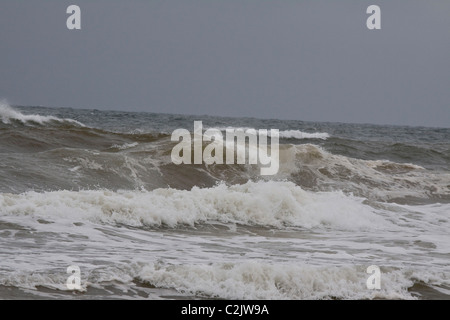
x=288 y=134
x=73 y=156
x=9 y=115
x=124 y=146
x=297 y=134
x=312 y=166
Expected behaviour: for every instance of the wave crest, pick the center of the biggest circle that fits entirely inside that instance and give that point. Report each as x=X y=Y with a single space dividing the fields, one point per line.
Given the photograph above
x=260 y=280
x=9 y=115
x=297 y=134
x=266 y=204
x=287 y=134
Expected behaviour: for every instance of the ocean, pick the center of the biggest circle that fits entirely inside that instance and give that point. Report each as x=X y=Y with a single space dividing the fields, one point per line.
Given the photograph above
x=97 y=191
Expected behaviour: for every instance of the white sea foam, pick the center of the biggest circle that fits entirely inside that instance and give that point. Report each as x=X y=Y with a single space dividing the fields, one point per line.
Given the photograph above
x=124 y=146
x=251 y=279
x=7 y=114
x=297 y=134
x=409 y=243
x=287 y=134
x=386 y=164
x=26 y=280
x=261 y=280
x=270 y=203
x=374 y=179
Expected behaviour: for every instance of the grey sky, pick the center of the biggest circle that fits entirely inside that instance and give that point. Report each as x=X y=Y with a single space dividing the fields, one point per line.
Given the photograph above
x=306 y=60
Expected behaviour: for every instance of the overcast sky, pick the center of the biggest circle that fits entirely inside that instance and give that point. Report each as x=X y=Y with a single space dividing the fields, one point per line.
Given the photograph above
x=286 y=59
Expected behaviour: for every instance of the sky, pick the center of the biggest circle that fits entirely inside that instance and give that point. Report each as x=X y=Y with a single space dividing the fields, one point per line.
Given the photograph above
x=284 y=59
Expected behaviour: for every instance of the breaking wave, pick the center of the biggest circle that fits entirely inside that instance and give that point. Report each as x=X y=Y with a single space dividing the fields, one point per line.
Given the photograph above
x=10 y=115
x=266 y=204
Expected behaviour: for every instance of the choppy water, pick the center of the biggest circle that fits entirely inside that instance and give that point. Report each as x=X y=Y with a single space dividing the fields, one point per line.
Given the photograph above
x=98 y=189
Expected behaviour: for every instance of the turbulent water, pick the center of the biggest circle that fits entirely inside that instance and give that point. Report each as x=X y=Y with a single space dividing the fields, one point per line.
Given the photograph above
x=98 y=190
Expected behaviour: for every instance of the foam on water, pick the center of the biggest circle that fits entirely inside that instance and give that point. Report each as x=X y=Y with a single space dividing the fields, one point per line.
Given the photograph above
x=8 y=114
x=310 y=164
x=283 y=261
x=124 y=146
x=261 y=280
x=308 y=232
x=287 y=134
x=251 y=279
x=297 y=134
x=270 y=203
